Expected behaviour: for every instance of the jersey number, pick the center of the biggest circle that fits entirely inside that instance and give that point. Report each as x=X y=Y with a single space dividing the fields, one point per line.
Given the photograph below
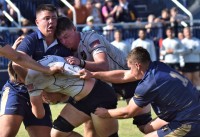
x=175 y=75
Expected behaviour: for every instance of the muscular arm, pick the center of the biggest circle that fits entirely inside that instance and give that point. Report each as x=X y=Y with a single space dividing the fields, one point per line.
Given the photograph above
x=120 y=113
x=114 y=76
x=100 y=63
x=23 y=60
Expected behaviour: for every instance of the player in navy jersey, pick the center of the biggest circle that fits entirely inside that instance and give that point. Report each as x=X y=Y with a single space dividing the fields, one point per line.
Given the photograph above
x=172 y=96
x=38 y=44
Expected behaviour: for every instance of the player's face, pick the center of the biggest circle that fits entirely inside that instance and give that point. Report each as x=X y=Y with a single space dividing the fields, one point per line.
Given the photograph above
x=187 y=32
x=135 y=68
x=169 y=33
x=68 y=38
x=46 y=22
x=141 y=34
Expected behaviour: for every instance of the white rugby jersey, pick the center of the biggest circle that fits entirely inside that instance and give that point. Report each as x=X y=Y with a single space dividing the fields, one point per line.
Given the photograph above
x=148 y=45
x=67 y=83
x=192 y=52
x=175 y=45
x=87 y=49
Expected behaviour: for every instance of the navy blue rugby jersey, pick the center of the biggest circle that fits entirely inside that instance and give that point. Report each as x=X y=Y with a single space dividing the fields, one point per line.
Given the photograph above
x=33 y=45
x=172 y=96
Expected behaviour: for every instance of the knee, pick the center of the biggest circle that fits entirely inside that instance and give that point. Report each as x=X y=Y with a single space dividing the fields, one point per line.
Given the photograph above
x=141 y=120
x=62 y=125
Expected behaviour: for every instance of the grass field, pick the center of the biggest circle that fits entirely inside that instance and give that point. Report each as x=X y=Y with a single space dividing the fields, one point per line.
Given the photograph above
x=126 y=128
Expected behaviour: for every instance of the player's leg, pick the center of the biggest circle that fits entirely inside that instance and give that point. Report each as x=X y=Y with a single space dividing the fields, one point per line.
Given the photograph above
x=142 y=118
x=10 y=125
x=105 y=127
x=153 y=125
x=69 y=118
x=177 y=129
x=39 y=131
x=38 y=127
x=13 y=104
x=89 y=130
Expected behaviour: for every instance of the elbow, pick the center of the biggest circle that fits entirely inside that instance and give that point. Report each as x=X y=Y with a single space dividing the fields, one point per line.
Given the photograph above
x=18 y=58
x=127 y=114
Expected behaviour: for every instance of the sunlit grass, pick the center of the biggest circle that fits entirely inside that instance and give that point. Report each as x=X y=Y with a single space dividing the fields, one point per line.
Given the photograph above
x=126 y=128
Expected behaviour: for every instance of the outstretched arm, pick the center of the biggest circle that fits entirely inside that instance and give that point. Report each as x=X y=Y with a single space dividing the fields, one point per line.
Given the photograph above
x=120 y=113
x=114 y=76
x=26 y=61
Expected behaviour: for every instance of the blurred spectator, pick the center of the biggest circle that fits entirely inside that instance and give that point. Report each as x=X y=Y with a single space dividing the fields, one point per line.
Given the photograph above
x=108 y=30
x=81 y=12
x=109 y=10
x=94 y=11
x=191 y=57
x=148 y=44
x=121 y=44
x=150 y=23
x=25 y=30
x=153 y=28
x=90 y=24
x=171 y=50
x=164 y=19
x=2 y=17
x=176 y=18
x=180 y=35
x=13 y=14
x=126 y=12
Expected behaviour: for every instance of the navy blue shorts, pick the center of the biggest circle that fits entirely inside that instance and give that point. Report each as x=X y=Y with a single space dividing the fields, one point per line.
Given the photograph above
x=175 y=129
x=15 y=102
x=102 y=95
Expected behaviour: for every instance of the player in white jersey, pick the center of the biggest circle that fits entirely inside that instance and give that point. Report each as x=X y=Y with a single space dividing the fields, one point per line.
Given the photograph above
x=191 y=57
x=148 y=44
x=93 y=52
x=83 y=97
x=171 y=50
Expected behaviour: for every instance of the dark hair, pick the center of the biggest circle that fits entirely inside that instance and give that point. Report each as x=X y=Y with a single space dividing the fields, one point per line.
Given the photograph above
x=64 y=23
x=142 y=29
x=139 y=54
x=169 y=28
x=48 y=7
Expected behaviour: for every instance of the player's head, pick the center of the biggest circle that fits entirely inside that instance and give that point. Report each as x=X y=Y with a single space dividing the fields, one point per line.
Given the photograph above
x=66 y=33
x=169 y=32
x=138 y=61
x=142 y=33
x=46 y=19
x=187 y=32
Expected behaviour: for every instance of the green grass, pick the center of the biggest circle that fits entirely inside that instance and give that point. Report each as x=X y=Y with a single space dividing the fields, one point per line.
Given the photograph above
x=126 y=128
